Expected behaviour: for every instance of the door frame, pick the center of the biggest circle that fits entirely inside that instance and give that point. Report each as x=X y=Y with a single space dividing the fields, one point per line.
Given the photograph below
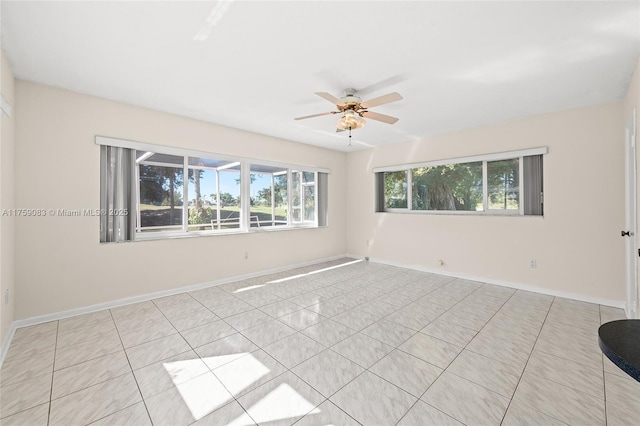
x=631 y=262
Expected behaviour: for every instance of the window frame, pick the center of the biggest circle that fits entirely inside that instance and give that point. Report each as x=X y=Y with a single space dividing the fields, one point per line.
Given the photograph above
x=485 y=159
x=245 y=165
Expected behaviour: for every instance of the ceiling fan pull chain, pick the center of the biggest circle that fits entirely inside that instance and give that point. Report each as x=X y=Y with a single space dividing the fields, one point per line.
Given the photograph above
x=349 y=136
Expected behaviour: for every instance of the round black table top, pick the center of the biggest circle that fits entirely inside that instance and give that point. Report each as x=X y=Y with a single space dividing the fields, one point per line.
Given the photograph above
x=620 y=342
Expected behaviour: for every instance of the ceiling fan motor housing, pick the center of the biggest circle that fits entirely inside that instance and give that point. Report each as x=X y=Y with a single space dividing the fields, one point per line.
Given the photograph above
x=350 y=99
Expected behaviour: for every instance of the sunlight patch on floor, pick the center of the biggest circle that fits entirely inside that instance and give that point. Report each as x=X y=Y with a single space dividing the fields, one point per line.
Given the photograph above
x=203 y=395
x=314 y=272
x=180 y=371
x=246 y=371
x=217 y=361
x=281 y=403
x=253 y=287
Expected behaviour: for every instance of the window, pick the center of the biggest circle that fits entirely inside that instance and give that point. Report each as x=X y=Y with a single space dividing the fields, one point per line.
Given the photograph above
x=160 y=192
x=168 y=194
x=203 y=194
x=504 y=183
x=395 y=190
x=269 y=200
x=229 y=198
x=447 y=187
x=214 y=195
x=307 y=197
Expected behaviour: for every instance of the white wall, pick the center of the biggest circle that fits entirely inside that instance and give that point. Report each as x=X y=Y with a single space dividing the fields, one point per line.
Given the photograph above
x=7 y=223
x=60 y=263
x=577 y=243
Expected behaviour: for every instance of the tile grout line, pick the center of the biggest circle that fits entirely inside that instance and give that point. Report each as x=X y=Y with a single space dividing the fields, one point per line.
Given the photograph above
x=368 y=369
x=326 y=348
x=356 y=307
x=527 y=363
x=463 y=348
x=53 y=371
x=209 y=370
x=568 y=360
x=192 y=349
x=398 y=348
x=131 y=367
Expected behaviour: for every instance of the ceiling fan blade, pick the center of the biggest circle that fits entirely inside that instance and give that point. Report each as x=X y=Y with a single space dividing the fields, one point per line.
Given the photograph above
x=390 y=97
x=380 y=117
x=314 y=115
x=329 y=97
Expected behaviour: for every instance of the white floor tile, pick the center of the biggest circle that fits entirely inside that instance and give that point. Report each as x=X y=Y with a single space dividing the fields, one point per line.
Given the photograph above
x=385 y=344
x=373 y=401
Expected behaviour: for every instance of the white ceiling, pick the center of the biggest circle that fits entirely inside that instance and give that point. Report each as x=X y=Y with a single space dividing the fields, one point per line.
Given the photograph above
x=254 y=65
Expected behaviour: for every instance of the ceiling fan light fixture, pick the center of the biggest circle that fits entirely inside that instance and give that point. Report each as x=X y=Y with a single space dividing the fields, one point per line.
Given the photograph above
x=350 y=120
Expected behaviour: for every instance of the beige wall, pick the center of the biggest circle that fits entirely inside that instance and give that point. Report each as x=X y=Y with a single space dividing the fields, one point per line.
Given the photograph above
x=60 y=264
x=7 y=223
x=577 y=244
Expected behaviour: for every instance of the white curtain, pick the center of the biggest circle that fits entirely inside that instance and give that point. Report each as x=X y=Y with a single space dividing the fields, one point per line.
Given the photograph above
x=117 y=195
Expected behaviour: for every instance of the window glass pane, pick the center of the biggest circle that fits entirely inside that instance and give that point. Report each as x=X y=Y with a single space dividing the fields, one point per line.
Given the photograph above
x=261 y=207
x=395 y=190
x=265 y=209
x=203 y=199
x=281 y=198
x=453 y=187
x=161 y=200
x=229 y=198
x=309 y=195
x=261 y=213
x=309 y=202
x=303 y=196
x=296 y=215
x=503 y=184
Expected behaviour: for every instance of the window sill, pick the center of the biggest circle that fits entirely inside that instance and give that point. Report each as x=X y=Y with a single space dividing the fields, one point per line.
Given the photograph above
x=459 y=213
x=155 y=236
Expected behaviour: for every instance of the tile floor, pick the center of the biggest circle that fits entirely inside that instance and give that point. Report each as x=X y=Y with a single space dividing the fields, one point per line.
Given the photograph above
x=357 y=344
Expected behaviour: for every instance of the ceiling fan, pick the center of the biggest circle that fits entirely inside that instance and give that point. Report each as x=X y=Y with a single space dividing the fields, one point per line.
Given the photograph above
x=354 y=110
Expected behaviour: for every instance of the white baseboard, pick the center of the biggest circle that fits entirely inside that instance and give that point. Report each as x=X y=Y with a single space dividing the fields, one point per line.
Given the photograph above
x=510 y=284
x=143 y=298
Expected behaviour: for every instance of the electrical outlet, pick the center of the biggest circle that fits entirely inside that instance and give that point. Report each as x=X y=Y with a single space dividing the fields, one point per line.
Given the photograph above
x=6 y=296
x=533 y=264
x=246 y=255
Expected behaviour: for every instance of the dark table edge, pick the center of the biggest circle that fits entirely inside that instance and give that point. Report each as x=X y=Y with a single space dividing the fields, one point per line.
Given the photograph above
x=621 y=363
